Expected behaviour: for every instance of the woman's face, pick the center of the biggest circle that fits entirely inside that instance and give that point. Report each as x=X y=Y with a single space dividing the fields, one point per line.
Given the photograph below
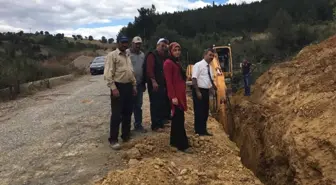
x=176 y=52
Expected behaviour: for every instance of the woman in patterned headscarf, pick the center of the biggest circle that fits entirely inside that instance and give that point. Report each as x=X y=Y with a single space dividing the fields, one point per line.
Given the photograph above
x=176 y=87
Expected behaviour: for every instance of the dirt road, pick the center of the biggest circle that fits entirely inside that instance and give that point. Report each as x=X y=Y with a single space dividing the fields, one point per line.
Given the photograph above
x=57 y=136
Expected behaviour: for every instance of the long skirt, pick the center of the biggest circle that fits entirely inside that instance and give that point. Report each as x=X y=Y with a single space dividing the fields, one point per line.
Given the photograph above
x=178 y=136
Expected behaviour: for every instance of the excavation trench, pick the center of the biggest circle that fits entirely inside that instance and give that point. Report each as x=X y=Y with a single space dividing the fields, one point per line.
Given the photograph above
x=286 y=130
x=254 y=154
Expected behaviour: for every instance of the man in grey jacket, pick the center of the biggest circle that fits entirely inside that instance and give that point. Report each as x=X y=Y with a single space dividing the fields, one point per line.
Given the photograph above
x=137 y=58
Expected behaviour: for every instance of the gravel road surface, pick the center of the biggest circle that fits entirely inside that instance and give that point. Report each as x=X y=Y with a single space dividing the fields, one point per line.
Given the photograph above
x=58 y=136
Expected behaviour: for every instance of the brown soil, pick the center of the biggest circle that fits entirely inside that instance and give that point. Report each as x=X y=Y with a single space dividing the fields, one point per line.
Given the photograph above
x=151 y=161
x=287 y=129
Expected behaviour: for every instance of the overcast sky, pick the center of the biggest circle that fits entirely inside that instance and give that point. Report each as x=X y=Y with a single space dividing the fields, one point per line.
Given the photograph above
x=86 y=17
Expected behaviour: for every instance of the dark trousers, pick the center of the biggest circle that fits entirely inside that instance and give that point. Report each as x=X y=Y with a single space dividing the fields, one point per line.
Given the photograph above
x=122 y=107
x=178 y=136
x=159 y=107
x=137 y=110
x=247 y=83
x=201 y=111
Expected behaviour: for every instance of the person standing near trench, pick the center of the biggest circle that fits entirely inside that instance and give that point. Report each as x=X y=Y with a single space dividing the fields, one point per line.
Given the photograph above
x=156 y=85
x=202 y=84
x=137 y=58
x=246 y=71
x=122 y=83
x=176 y=88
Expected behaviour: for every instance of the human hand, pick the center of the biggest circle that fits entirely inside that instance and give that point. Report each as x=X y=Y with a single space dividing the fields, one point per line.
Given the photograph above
x=199 y=95
x=175 y=101
x=115 y=93
x=134 y=91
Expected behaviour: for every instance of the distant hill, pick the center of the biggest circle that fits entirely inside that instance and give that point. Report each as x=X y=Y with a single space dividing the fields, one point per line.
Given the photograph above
x=28 y=57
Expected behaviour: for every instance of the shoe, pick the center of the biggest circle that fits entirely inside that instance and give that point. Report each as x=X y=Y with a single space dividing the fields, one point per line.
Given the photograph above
x=115 y=146
x=126 y=139
x=188 y=151
x=208 y=134
x=158 y=130
x=140 y=129
x=205 y=134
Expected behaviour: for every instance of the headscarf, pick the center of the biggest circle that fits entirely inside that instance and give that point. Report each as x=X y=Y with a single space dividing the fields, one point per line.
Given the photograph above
x=172 y=46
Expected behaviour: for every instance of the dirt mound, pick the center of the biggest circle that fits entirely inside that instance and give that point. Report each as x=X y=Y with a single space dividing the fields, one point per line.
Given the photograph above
x=151 y=161
x=82 y=62
x=287 y=130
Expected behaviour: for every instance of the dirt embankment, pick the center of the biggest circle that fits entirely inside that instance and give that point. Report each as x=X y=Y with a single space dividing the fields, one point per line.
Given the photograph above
x=151 y=161
x=286 y=130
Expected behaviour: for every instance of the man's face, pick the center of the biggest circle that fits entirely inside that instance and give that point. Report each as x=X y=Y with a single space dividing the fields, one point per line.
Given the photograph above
x=176 y=52
x=136 y=46
x=162 y=46
x=123 y=46
x=209 y=56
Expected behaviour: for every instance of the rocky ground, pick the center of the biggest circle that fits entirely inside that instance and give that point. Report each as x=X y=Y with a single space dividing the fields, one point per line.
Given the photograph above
x=287 y=130
x=59 y=136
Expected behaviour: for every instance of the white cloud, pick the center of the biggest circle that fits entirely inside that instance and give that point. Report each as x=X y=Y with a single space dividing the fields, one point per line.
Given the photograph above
x=69 y=16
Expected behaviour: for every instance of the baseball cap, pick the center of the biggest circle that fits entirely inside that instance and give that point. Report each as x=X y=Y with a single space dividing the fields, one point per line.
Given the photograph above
x=137 y=39
x=122 y=39
x=162 y=40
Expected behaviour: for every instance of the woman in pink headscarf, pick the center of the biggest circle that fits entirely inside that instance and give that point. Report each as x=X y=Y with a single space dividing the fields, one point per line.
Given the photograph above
x=176 y=88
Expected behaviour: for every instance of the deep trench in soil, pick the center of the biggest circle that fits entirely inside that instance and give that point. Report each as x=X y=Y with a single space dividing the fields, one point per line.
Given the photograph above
x=252 y=152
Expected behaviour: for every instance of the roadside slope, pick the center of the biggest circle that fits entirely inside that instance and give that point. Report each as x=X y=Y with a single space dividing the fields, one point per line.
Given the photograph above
x=287 y=130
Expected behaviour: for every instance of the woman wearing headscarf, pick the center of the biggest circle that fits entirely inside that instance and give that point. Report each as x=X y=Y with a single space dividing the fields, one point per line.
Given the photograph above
x=176 y=88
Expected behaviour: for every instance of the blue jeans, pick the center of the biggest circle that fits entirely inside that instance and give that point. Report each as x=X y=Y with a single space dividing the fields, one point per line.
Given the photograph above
x=137 y=109
x=247 y=83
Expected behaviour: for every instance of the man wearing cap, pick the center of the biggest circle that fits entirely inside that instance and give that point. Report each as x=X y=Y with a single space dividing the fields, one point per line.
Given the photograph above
x=122 y=83
x=137 y=58
x=159 y=102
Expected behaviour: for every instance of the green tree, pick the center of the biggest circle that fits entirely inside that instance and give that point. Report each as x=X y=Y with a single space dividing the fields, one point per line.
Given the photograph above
x=103 y=39
x=90 y=38
x=281 y=28
x=59 y=36
x=110 y=40
x=79 y=37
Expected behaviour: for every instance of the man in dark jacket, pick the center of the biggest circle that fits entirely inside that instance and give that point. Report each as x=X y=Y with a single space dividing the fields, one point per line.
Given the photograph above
x=159 y=103
x=246 y=70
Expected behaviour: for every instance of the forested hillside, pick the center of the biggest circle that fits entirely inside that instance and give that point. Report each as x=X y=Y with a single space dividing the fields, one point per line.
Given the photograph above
x=266 y=31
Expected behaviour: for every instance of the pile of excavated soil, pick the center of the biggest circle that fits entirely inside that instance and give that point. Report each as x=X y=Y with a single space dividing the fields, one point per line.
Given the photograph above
x=286 y=130
x=151 y=161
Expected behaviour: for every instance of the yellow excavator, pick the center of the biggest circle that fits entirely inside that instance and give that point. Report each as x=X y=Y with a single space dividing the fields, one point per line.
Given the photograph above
x=223 y=73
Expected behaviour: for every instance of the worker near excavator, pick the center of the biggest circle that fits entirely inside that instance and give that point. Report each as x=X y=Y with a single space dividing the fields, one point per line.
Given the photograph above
x=176 y=88
x=202 y=80
x=156 y=85
x=137 y=58
x=246 y=71
x=122 y=83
